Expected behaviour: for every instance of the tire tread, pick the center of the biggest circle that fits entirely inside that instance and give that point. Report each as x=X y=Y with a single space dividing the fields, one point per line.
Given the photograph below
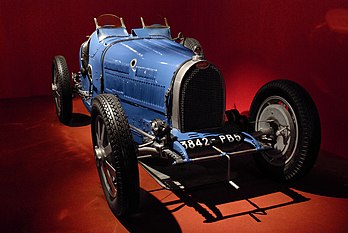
x=308 y=123
x=109 y=107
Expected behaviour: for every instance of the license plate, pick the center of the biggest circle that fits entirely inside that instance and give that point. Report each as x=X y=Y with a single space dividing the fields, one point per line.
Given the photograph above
x=211 y=141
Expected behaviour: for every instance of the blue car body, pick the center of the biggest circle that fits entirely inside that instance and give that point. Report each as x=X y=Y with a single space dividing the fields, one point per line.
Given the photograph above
x=111 y=52
x=158 y=101
x=139 y=69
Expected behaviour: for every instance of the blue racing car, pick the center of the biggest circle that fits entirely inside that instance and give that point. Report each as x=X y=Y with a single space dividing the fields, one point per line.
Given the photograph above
x=157 y=100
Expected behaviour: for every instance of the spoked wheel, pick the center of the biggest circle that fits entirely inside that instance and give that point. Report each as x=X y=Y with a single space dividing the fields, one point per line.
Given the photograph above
x=115 y=155
x=61 y=89
x=103 y=152
x=287 y=109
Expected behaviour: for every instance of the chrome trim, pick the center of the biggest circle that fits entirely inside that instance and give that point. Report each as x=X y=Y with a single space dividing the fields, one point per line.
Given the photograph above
x=54 y=87
x=133 y=63
x=144 y=151
x=142 y=22
x=212 y=157
x=122 y=22
x=198 y=57
x=178 y=77
x=166 y=22
x=142 y=132
x=176 y=91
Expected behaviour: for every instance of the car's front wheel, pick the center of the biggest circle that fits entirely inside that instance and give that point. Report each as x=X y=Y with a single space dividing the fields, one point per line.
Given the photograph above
x=288 y=110
x=115 y=155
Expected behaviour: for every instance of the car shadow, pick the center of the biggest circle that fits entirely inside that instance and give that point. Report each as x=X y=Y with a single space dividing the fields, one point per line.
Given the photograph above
x=206 y=200
x=79 y=120
x=329 y=177
x=152 y=216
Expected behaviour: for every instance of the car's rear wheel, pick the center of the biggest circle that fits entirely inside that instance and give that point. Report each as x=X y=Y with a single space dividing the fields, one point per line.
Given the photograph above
x=287 y=109
x=61 y=89
x=115 y=155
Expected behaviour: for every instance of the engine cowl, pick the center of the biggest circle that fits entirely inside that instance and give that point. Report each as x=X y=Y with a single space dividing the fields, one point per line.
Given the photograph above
x=142 y=71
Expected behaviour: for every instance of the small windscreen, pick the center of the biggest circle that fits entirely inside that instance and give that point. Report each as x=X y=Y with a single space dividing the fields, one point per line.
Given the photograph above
x=163 y=23
x=109 y=20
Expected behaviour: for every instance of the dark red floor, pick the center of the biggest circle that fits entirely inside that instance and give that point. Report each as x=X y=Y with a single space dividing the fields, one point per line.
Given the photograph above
x=49 y=183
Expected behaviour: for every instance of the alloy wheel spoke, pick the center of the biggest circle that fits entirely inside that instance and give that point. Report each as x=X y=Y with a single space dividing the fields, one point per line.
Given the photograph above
x=103 y=151
x=107 y=150
x=110 y=175
x=98 y=134
x=102 y=135
x=111 y=169
x=57 y=100
x=56 y=94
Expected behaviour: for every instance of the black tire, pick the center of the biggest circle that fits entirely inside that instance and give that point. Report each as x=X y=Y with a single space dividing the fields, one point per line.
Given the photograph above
x=61 y=89
x=298 y=142
x=115 y=155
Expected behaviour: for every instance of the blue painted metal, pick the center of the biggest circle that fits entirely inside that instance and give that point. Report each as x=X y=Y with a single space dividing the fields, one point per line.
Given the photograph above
x=136 y=67
x=252 y=141
x=152 y=32
x=181 y=150
x=139 y=68
x=192 y=135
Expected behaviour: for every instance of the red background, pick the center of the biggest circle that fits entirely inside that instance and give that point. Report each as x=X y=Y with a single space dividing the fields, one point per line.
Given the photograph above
x=251 y=41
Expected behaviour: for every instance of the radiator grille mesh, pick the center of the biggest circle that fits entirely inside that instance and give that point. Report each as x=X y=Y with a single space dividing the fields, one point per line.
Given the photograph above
x=202 y=99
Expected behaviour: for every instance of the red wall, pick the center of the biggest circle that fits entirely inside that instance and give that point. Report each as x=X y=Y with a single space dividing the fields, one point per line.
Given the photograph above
x=251 y=41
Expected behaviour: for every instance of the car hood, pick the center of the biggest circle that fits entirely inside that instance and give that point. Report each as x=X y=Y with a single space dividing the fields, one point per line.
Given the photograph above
x=151 y=58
